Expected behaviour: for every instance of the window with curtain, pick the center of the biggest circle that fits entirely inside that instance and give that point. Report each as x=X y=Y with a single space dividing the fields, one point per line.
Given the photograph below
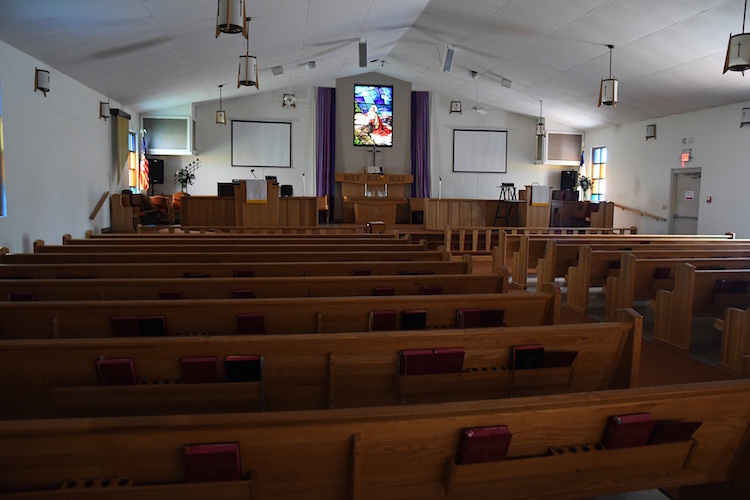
x=598 y=174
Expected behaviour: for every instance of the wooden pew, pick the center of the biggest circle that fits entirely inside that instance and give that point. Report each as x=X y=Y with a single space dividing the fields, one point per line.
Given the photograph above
x=93 y=319
x=274 y=230
x=397 y=452
x=217 y=256
x=181 y=238
x=303 y=286
x=229 y=269
x=735 y=342
x=639 y=279
x=213 y=247
x=559 y=254
x=694 y=295
x=595 y=266
x=58 y=378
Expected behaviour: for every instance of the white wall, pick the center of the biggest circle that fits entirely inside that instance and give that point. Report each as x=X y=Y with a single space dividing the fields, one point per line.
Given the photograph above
x=57 y=155
x=639 y=171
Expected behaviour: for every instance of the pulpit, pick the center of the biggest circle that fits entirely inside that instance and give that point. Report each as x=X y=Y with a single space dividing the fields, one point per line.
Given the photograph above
x=368 y=197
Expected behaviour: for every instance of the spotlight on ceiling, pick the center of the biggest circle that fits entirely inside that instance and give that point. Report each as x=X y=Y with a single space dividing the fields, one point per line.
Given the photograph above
x=310 y=64
x=449 y=60
x=609 y=87
x=738 y=50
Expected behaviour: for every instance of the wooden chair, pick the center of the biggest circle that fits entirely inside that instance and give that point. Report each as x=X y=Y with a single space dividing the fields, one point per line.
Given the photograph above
x=177 y=206
x=163 y=211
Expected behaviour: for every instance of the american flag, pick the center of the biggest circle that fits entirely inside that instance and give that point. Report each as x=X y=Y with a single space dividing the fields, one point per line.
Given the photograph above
x=144 y=178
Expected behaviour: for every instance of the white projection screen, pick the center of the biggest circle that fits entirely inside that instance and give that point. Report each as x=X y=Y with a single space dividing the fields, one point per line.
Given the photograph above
x=261 y=144
x=480 y=151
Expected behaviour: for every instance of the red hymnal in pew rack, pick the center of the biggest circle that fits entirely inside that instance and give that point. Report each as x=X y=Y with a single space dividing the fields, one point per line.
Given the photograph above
x=116 y=371
x=209 y=463
x=200 y=370
x=625 y=431
x=483 y=444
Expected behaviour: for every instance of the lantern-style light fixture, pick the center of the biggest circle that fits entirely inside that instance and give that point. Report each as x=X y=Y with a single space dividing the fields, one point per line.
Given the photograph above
x=541 y=131
x=41 y=81
x=230 y=17
x=221 y=115
x=738 y=50
x=248 y=71
x=609 y=87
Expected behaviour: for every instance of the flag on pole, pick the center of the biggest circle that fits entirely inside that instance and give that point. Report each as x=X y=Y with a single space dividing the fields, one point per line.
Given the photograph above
x=144 y=172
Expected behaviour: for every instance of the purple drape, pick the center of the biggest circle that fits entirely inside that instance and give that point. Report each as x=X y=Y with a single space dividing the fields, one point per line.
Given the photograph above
x=326 y=147
x=420 y=144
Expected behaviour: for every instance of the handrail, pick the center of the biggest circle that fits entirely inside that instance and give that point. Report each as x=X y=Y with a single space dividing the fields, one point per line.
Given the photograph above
x=99 y=205
x=639 y=212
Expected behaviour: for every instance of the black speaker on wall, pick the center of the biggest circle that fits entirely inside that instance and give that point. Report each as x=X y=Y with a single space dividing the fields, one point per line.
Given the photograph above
x=568 y=180
x=155 y=171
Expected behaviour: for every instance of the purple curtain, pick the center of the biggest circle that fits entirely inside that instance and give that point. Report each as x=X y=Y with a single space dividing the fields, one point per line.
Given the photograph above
x=420 y=144
x=326 y=130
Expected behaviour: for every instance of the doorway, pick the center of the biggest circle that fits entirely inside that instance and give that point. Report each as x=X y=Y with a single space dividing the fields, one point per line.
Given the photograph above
x=686 y=190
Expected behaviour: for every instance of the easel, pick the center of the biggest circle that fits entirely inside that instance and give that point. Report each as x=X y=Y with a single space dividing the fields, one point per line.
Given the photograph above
x=510 y=213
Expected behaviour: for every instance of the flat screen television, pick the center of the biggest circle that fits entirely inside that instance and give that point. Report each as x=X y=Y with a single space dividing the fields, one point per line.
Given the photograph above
x=373 y=115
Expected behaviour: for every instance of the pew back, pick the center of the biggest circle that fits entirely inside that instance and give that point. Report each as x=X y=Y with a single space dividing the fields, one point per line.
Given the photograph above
x=405 y=452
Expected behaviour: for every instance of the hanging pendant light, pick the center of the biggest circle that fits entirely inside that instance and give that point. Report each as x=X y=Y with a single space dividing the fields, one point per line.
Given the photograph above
x=541 y=131
x=248 y=72
x=230 y=16
x=609 y=87
x=221 y=115
x=738 y=50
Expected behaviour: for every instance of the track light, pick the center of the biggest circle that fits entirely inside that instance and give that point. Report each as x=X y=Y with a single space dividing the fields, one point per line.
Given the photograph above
x=363 y=53
x=449 y=60
x=738 y=50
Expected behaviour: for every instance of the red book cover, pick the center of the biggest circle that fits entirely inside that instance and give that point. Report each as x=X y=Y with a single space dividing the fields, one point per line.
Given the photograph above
x=209 y=463
x=116 y=371
x=170 y=294
x=124 y=326
x=383 y=290
x=432 y=290
x=246 y=293
x=625 y=431
x=21 y=296
x=449 y=360
x=524 y=357
x=671 y=431
x=240 y=368
x=382 y=320
x=251 y=323
x=200 y=370
x=243 y=273
x=483 y=444
x=468 y=317
x=416 y=362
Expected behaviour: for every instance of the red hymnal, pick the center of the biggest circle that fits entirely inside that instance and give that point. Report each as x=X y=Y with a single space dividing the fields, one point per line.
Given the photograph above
x=116 y=371
x=671 y=431
x=524 y=357
x=251 y=323
x=208 y=463
x=243 y=273
x=468 y=317
x=416 y=362
x=21 y=296
x=382 y=320
x=625 y=431
x=170 y=294
x=124 y=326
x=200 y=370
x=243 y=368
x=483 y=444
x=383 y=290
x=449 y=360
x=243 y=294
x=432 y=290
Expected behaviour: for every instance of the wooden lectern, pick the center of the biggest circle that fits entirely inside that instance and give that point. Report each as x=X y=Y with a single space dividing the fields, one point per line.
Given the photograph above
x=368 y=197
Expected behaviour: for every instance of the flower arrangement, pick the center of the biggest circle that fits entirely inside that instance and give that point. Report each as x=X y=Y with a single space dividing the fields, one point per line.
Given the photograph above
x=186 y=175
x=585 y=184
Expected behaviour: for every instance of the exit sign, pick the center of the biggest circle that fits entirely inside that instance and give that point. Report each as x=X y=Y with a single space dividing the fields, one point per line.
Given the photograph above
x=685 y=157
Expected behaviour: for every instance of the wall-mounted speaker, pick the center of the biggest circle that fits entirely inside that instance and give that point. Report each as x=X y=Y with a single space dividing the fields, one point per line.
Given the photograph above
x=363 y=54
x=568 y=180
x=155 y=171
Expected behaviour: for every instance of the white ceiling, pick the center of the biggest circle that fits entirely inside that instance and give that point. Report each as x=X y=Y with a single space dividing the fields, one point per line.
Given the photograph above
x=154 y=54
